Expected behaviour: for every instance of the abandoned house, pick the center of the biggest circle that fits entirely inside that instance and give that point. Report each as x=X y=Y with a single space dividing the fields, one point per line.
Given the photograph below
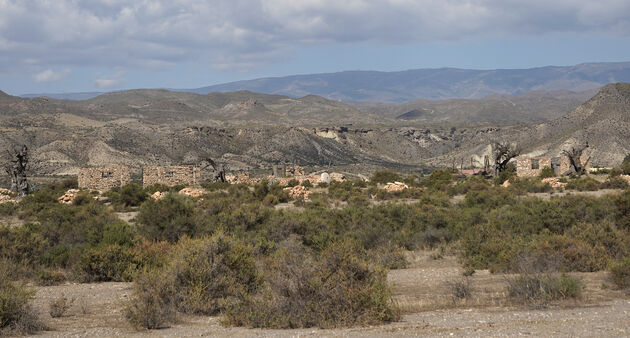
x=533 y=166
x=104 y=179
x=171 y=175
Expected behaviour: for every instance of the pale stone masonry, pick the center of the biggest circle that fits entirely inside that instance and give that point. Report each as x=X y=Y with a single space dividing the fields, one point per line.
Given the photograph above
x=103 y=179
x=531 y=167
x=171 y=175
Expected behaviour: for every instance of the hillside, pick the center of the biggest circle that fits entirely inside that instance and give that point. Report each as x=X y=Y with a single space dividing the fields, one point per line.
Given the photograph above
x=253 y=131
x=433 y=84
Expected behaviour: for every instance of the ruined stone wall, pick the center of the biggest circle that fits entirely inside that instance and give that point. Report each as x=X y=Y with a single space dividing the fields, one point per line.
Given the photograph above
x=525 y=166
x=565 y=165
x=103 y=179
x=171 y=175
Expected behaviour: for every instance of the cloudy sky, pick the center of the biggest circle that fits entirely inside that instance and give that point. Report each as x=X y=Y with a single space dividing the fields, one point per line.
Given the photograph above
x=98 y=45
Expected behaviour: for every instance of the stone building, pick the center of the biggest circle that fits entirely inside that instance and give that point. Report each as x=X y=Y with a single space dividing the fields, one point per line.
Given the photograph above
x=171 y=175
x=103 y=179
x=531 y=167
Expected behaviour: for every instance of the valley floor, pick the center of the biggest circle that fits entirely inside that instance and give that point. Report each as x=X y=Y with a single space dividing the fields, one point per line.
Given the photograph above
x=422 y=290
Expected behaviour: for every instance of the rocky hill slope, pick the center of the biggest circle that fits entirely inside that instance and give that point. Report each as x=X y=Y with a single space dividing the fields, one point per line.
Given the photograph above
x=254 y=131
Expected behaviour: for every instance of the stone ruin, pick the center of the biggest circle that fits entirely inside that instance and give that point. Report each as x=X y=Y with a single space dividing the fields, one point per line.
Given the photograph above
x=533 y=166
x=103 y=179
x=171 y=175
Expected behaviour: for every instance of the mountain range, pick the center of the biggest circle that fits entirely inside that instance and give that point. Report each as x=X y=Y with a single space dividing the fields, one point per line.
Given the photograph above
x=411 y=85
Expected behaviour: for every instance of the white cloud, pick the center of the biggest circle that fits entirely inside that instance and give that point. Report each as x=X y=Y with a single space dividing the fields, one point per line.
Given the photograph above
x=50 y=76
x=242 y=34
x=110 y=82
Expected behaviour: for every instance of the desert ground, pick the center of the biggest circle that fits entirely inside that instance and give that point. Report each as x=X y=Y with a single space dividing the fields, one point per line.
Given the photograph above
x=422 y=291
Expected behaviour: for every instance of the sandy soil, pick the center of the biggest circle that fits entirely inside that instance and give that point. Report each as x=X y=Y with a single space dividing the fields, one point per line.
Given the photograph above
x=421 y=290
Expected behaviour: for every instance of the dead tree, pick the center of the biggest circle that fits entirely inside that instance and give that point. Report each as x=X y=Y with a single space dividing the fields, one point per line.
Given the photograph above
x=217 y=174
x=503 y=153
x=17 y=170
x=575 y=158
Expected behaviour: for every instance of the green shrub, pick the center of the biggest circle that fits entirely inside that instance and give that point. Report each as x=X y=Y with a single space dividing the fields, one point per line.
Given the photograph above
x=529 y=185
x=540 y=289
x=17 y=315
x=120 y=233
x=439 y=178
x=620 y=273
x=153 y=302
x=506 y=175
x=390 y=257
x=547 y=172
x=168 y=218
x=384 y=176
x=293 y=182
x=583 y=184
x=212 y=273
x=307 y=184
x=8 y=209
x=132 y=195
x=339 y=288
x=106 y=263
x=615 y=183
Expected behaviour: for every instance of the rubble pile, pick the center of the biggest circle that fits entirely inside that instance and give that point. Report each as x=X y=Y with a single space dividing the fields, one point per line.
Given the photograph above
x=395 y=186
x=506 y=184
x=298 y=192
x=69 y=196
x=554 y=182
x=192 y=192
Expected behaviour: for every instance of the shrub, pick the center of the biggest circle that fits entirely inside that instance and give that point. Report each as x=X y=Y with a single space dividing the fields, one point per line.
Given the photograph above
x=339 y=288
x=58 y=307
x=583 y=184
x=390 y=256
x=153 y=302
x=168 y=218
x=307 y=184
x=507 y=174
x=460 y=289
x=17 y=315
x=132 y=195
x=50 y=277
x=547 y=172
x=293 y=182
x=614 y=183
x=212 y=273
x=540 y=289
x=384 y=176
x=438 y=179
x=620 y=273
x=105 y=263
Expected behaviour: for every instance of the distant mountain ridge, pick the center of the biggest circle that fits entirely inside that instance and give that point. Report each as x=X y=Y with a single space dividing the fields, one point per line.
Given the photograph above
x=411 y=85
x=433 y=84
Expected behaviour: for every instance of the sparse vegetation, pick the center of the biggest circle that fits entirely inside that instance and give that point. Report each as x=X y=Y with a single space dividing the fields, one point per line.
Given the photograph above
x=58 y=307
x=16 y=311
x=541 y=289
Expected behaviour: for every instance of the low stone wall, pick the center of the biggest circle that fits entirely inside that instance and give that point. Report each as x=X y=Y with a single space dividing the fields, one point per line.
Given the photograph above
x=171 y=175
x=103 y=179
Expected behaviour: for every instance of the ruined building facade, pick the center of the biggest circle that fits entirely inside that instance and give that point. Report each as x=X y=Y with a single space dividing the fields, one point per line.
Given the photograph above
x=103 y=179
x=533 y=166
x=171 y=175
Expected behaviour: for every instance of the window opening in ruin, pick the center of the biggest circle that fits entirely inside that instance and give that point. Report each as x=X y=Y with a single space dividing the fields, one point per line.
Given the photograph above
x=535 y=164
x=169 y=174
x=107 y=174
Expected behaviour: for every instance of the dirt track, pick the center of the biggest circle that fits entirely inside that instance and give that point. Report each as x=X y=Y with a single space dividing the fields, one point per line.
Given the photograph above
x=421 y=291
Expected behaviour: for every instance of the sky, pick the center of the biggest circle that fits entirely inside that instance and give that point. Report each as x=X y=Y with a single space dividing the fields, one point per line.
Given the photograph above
x=57 y=46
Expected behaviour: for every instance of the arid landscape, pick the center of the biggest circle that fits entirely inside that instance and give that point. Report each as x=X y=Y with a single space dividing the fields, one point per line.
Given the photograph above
x=282 y=168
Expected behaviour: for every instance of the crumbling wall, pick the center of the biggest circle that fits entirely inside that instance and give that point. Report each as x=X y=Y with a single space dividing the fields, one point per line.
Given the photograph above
x=531 y=167
x=565 y=165
x=171 y=175
x=103 y=179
